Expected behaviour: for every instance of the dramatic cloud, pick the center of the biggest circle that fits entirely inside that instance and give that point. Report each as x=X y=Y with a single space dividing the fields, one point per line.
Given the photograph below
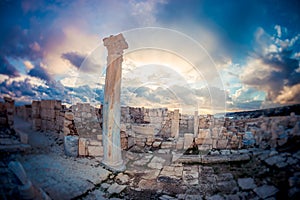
x=74 y=58
x=7 y=68
x=273 y=68
x=59 y=45
x=26 y=88
x=40 y=72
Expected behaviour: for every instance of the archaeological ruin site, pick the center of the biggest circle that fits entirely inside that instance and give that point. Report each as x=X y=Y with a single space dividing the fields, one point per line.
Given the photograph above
x=53 y=151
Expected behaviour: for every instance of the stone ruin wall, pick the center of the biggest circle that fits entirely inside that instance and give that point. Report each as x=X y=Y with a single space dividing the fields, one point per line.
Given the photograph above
x=81 y=128
x=7 y=113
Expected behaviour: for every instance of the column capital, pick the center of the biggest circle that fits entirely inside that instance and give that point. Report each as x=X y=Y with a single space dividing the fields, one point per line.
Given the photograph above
x=115 y=44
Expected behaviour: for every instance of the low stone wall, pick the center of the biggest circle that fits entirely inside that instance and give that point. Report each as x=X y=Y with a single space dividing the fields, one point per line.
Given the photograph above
x=81 y=125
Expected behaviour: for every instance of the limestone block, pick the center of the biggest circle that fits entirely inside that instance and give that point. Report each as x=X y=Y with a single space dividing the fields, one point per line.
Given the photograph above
x=95 y=151
x=95 y=142
x=71 y=145
x=82 y=147
x=69 y=116
x=156 y=144
x=222 y=144
x=214 y=143
x=99 y=137
x=143 y=130
x=124 y=143
x=204 y=133
x=166 y=145
x=188 y=140
x=180 y=143
x=130 y=142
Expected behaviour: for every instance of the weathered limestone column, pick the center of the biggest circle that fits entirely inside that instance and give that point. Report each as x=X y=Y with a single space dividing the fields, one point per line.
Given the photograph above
x=112 y=157
x=196 y=124
x=175 y=124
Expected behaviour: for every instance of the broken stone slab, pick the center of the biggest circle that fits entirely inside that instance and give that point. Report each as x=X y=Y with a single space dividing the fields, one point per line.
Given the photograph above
x=192 y=197
x=116 y=188
x=143 y=161
x=156 y=162
x=266 y=191
x=151 y=174
x=274 y=160
x=96 y=194
x=224 y=177
x=122 y=178
x=246 y=183
x=228 y=187
x=149 y=185
x=190 y=177
x=167 y=197
x=188 y=159
x=15 y=148
x=215 y=197
x=210 y=159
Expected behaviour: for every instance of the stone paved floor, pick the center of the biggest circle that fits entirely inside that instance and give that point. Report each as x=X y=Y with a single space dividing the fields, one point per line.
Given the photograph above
x=267 y=174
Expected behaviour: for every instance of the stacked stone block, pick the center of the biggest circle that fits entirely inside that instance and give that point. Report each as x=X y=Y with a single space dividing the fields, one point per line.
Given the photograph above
x=36 y=115
x=143 y=135
x=69 y=125
x=86 y=120
x=7 y=109
x=50 y=110
x=83 y=121
x=90 y=147
x=3 y=115
x=175 y=124
x=7 y=112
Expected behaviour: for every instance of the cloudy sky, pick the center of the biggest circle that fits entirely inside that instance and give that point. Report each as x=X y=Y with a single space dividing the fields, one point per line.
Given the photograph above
x=205 y=55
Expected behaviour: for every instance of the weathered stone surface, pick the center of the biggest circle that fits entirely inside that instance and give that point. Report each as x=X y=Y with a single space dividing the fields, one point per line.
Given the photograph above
x=143 y=161
x=143 y=130
x=172 y=172
x=225 y=158
x=82 y=147
x=122 y=178
x=111 y=108
x=95 y=151
x=193 y=197
x=188 y=140
x=215 y=197
x=166 y=145
x=167 y=197
x=175 y=124
x=116 y=188
x=156 y=163
x=190 y=177
x=151 y=174
x=63 y=178
x=266 y=191
x=246 y=183
x=227 y=187
x=156 y=144
x=71 y=145
x=274 y=159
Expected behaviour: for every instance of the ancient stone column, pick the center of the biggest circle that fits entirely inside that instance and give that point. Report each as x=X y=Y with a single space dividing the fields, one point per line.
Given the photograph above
x=112 y=157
